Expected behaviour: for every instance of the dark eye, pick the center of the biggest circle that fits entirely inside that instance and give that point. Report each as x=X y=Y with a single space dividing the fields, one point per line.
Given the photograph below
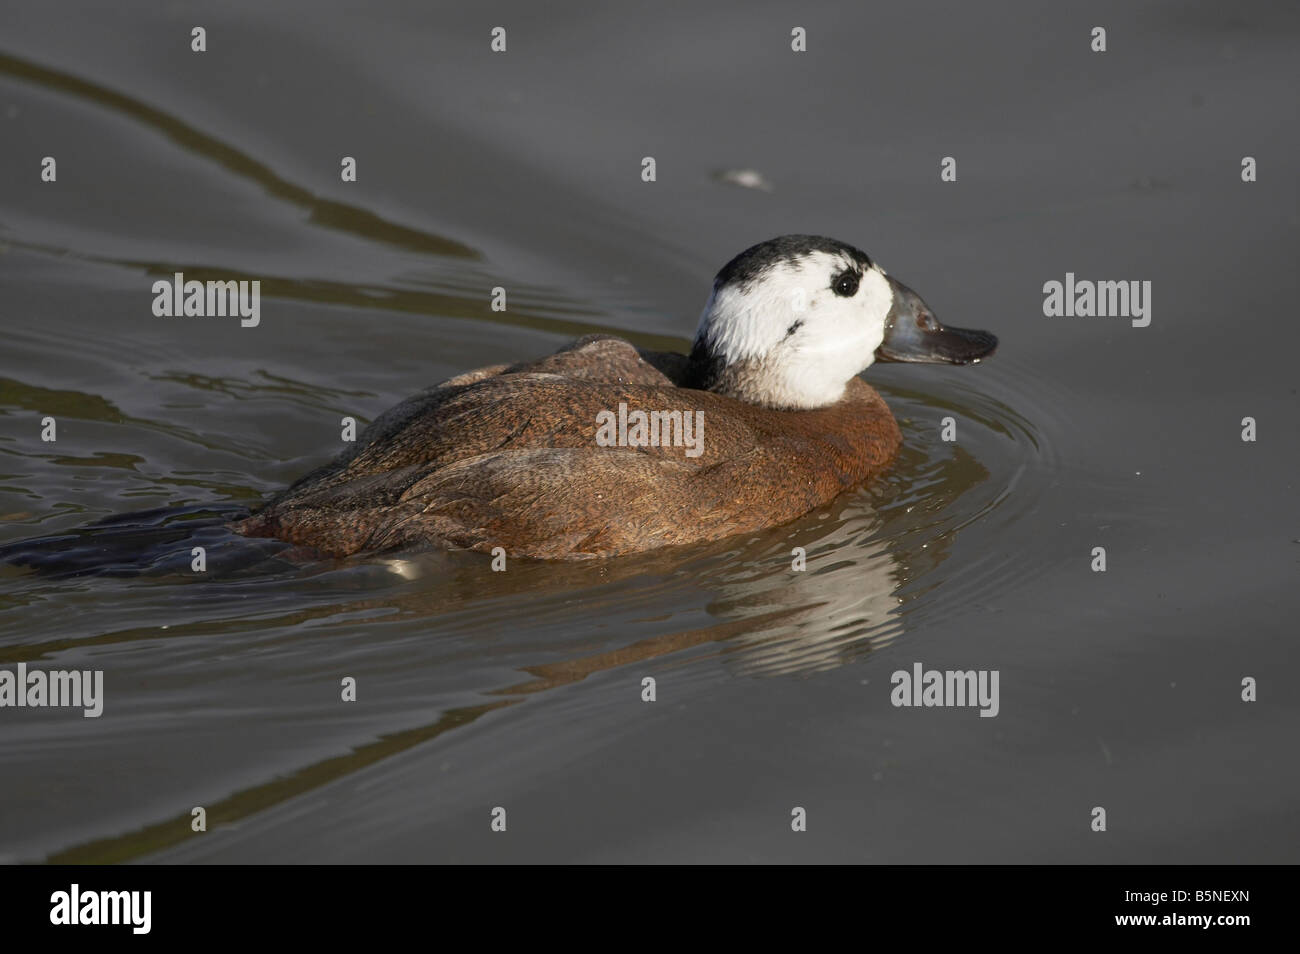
x=846 y=284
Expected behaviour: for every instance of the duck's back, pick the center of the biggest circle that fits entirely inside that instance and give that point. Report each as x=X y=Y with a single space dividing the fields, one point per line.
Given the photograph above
x=509 y=457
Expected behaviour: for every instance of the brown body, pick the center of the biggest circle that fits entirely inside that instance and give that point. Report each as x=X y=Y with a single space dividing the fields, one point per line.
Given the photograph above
x=507 y=457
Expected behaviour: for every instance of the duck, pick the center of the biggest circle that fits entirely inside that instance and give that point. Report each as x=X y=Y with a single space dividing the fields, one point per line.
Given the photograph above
x=604 y=449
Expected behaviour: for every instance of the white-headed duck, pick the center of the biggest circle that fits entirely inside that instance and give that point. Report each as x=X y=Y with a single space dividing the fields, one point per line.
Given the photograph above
x=603 y=449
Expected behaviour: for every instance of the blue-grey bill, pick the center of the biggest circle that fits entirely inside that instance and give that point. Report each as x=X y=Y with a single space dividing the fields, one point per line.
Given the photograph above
x=912 y=333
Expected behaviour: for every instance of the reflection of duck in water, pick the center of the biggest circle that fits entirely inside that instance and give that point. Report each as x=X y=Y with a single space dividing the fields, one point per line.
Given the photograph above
x=513 y=456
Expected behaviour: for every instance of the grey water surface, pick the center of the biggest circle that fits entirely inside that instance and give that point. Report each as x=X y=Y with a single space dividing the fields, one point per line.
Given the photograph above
x=523 y=690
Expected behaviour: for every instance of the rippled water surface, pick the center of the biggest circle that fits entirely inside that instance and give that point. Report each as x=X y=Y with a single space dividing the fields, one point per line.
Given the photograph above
x=523 y=689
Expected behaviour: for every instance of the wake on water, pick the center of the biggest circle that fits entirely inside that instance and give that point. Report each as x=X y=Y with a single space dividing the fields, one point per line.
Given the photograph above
x=163 y=541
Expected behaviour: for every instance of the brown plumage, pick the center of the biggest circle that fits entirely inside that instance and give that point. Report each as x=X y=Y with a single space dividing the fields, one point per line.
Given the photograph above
x=507 y=456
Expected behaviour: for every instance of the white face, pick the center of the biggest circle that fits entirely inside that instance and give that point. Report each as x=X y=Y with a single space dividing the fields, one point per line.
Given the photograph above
x=803 y=339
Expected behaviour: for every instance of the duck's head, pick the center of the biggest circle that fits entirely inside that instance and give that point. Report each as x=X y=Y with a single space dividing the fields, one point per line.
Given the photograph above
x=793 y=319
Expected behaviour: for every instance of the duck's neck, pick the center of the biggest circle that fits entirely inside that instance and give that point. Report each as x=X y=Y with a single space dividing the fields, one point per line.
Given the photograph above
x=755 y=381
x=702 y=368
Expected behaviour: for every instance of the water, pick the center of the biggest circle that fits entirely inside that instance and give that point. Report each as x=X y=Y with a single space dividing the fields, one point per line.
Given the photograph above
x=523 y=689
